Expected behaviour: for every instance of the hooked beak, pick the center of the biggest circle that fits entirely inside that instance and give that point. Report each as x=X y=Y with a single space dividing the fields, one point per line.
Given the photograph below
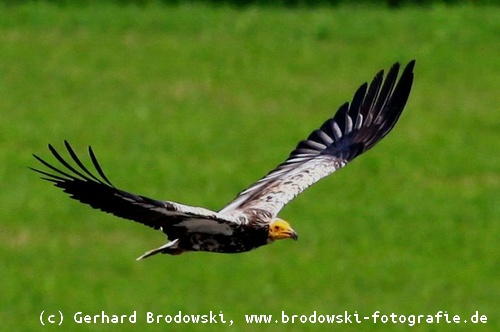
x=292 y=235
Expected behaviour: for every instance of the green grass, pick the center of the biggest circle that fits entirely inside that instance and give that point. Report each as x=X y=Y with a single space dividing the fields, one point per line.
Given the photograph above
x=192 y=104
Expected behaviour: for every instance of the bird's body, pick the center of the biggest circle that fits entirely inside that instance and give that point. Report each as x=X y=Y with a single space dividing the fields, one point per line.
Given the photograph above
x=251 y=219
x=241 y=238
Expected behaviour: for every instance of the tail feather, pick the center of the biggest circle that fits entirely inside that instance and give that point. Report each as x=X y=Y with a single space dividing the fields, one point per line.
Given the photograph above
x=171 y=248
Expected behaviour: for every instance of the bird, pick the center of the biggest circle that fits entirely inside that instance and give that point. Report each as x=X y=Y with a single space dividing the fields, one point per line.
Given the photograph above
x=251 y=219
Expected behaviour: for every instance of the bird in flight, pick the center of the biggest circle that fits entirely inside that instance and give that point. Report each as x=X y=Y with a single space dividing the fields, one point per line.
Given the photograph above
x=251 y=219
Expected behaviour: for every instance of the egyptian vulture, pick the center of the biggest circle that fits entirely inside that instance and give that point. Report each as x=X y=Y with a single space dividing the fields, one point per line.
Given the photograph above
x=251 y=219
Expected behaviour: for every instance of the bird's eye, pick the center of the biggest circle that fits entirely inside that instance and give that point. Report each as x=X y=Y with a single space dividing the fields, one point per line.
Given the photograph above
x=276 y=228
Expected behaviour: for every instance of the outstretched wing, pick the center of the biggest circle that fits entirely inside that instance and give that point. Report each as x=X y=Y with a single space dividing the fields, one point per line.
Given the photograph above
x=97 y=191
x=354 y=129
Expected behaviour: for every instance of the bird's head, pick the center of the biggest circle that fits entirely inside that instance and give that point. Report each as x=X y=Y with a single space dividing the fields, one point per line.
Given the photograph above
x=280 y=229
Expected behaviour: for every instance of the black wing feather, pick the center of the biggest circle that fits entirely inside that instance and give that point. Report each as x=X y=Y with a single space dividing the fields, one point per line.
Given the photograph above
x=373 y=112
x=101 y=194
x=355 y=128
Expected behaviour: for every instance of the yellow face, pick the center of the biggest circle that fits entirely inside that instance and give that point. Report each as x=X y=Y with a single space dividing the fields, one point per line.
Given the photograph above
x=280 y=229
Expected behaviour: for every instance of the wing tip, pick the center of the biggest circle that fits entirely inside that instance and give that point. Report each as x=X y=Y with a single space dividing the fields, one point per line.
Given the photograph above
x=75 y=172
x=372 y=113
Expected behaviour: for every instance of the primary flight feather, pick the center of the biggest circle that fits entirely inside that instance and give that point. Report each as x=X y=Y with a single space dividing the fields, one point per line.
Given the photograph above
x=251 y=219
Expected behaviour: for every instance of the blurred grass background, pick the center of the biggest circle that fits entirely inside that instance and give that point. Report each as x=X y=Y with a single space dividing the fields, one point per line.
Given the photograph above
x=193 y=103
